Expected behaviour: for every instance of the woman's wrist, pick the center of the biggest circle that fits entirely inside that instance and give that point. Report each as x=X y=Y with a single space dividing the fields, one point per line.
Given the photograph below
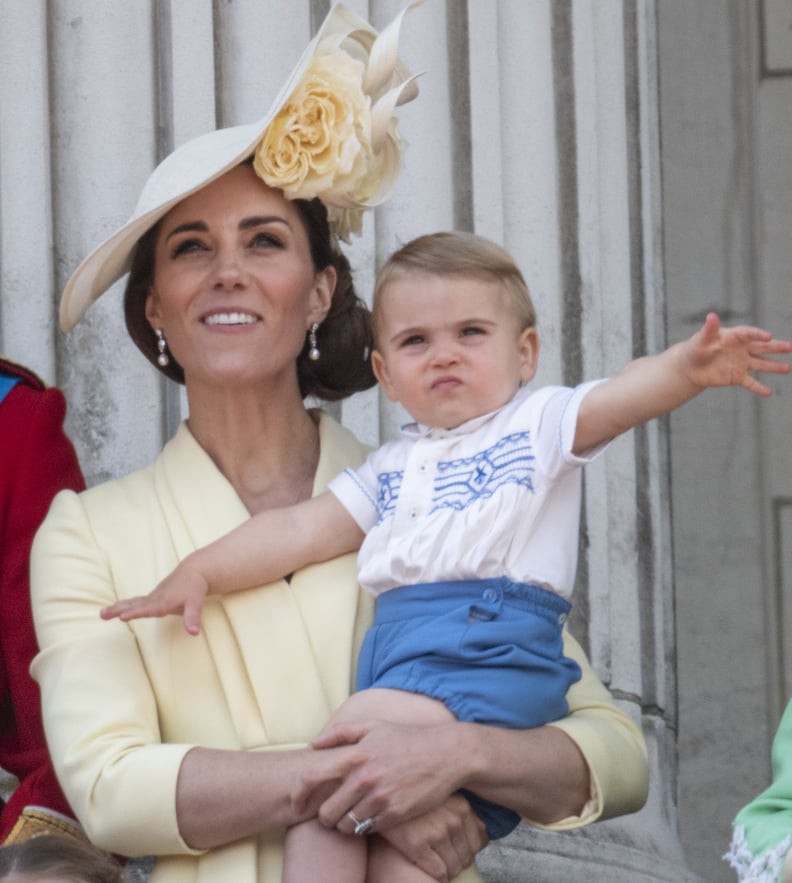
x=540 y=773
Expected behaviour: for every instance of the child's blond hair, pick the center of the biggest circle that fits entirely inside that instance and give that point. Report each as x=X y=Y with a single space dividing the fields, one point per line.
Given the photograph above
x=53 y=855
x=455 y=253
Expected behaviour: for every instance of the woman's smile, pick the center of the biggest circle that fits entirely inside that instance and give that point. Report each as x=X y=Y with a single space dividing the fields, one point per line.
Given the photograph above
x=231 y=319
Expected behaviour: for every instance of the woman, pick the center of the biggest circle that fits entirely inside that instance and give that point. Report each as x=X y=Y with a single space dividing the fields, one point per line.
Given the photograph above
x=193 y=749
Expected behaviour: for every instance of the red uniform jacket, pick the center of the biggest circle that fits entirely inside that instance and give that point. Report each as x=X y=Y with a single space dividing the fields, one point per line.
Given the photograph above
x=36 y=461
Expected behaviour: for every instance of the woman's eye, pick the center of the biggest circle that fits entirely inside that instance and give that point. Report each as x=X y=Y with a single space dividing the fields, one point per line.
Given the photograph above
x=188 y=246
x=266 y=240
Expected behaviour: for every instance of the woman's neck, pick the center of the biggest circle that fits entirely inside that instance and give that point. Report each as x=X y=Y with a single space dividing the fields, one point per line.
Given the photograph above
x=267 y=446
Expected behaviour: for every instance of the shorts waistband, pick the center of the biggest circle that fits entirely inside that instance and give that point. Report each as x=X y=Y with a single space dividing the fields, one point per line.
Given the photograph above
x=421 y=598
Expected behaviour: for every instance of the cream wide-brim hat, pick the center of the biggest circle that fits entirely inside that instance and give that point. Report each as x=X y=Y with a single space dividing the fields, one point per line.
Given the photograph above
x=204 y=159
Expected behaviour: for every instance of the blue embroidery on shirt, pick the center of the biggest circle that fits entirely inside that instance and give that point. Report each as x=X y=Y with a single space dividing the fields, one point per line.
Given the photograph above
x=459 y=483
x=389 y=485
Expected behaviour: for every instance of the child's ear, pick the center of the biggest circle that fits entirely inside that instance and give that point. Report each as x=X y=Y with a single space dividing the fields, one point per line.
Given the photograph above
x=380 y=369
x=528 y=345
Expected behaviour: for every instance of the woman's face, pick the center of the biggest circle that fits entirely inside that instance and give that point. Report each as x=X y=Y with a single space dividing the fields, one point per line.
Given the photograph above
x=235 y=289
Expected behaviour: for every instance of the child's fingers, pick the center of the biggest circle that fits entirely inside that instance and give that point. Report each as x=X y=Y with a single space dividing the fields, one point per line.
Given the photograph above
x=192 y=616
x=770 y=366
x=775 y=347
x=755 y=386
x=113 y=610
x=135 y=608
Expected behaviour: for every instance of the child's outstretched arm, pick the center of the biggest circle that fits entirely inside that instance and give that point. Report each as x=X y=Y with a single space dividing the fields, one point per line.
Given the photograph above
x=270 y=545
x=655 y=385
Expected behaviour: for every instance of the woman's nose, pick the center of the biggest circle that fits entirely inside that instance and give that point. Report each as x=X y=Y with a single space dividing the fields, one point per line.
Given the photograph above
x=228 y=271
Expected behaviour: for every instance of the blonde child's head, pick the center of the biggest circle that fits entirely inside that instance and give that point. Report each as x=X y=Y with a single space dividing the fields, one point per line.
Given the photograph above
x=51 y=858
x=456 y=253
x=454 y=328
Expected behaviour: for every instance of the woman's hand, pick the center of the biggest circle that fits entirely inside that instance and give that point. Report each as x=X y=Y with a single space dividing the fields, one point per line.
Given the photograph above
x=442 y=842
x=389 y=772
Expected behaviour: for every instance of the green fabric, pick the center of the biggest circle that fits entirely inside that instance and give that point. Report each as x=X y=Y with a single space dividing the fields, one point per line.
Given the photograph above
x=767 y=820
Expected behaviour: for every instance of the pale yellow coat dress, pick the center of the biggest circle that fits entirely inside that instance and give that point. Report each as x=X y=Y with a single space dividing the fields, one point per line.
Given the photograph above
x=123 y=703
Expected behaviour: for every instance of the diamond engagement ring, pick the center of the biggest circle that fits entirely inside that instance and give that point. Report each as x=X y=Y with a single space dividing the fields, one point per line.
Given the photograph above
x=361 y=826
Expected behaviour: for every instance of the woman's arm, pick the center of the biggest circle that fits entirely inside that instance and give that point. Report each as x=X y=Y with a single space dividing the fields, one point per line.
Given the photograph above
x=222 y=796
x=597 y=735
x=259 y=785
x=590 y=765
x=134 y=793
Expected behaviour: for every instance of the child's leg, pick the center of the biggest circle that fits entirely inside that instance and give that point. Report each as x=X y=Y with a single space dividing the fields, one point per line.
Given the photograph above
x=313 y=852
x=396 y=706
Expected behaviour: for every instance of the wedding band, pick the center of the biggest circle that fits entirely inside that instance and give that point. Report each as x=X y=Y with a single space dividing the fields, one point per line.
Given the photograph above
x=361 y=827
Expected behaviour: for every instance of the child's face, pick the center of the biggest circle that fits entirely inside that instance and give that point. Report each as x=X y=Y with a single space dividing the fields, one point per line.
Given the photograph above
x=450 y=348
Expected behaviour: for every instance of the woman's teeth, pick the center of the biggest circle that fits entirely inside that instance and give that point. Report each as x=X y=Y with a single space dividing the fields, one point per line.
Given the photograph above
x=230 y=319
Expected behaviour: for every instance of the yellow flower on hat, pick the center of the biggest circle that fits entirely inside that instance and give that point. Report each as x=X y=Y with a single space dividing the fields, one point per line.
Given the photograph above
x=336 y=137
x=320 y=142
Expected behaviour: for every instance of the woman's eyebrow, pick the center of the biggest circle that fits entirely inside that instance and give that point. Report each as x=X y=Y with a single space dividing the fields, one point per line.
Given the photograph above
x=260 y=220
x=188 y=227
x=244 y=224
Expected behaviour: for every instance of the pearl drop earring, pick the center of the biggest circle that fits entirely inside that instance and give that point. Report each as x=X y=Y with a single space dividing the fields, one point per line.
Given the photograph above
x=313 y=349
x=162 y=358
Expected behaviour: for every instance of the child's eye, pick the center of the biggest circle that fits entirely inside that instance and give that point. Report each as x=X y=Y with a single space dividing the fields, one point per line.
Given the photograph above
x=414 y=340
x=471 y=330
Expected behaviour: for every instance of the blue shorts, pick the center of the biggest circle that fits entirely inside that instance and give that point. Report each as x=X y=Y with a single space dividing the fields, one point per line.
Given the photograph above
x=490 y=650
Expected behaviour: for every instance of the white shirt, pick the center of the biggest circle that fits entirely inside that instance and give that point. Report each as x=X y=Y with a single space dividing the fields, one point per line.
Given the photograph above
x=497 y=496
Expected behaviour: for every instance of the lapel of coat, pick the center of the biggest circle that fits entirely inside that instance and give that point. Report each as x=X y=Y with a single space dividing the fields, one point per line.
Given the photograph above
x=283 y=653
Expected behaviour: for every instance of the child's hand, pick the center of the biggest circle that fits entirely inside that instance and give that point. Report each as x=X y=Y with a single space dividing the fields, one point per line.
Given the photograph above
x=183 y=591
x=716 y=356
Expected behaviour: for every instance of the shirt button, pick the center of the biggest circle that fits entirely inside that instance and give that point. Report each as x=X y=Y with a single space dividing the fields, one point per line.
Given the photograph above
x=562 y=617
x=490 y=595
x=413 y=514
x=423 y=467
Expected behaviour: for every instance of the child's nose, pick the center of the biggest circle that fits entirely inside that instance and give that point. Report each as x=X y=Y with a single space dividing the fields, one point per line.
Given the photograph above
x=444 y=354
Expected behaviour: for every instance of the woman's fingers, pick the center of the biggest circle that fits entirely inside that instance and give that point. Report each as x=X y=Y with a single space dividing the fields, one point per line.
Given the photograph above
x=442 y=842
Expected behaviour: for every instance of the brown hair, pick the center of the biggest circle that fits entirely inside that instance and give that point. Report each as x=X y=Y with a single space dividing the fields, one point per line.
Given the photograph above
x=345 y=336
x=55 y=855
x=457 y=253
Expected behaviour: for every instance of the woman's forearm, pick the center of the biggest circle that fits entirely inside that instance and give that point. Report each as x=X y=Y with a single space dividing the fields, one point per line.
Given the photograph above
x=222 y=796
x=539 y=773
